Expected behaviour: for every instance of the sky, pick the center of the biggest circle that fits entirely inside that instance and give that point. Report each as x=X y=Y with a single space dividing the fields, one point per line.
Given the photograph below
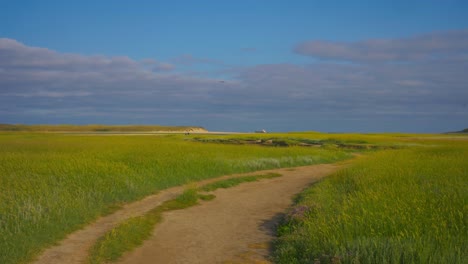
x=331 y=66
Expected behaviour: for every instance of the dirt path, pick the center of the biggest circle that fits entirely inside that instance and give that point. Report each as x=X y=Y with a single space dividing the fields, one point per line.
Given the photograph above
x=236 y=227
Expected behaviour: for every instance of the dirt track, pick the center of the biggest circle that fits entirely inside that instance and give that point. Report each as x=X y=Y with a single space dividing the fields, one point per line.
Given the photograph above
x=236 y=227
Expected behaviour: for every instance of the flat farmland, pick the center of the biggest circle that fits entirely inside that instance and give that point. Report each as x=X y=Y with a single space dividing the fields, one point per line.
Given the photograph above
x=53 y=184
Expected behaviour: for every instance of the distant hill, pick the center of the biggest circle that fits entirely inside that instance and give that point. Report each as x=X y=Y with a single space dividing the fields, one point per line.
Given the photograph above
x=458 y=132
x=99 y=128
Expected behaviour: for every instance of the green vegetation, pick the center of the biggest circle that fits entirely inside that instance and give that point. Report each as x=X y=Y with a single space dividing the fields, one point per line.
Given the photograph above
x=132 y=232
x=53 y=184
x=396 y=206
x=94 y=128
x=206 y=197
x=236 y=181
x=346 y=142
x=282 y=141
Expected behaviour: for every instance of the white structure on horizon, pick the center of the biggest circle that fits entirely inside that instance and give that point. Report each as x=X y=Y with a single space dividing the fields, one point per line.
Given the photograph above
x=261 y=131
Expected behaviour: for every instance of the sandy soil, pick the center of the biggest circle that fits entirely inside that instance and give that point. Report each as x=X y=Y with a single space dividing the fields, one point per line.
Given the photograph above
x=236 y=227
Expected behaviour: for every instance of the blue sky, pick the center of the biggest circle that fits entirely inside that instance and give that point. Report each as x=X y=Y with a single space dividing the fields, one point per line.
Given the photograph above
x=366 y=66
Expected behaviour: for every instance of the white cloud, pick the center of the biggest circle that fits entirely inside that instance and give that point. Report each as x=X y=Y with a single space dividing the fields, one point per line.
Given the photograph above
x=41 y=85
x=446 y=45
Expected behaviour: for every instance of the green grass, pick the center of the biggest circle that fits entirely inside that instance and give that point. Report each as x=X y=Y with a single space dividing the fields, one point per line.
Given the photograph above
x=206 y=197
x=132 y=232
x=404 y=206
x=290 y=140
x=236 y=181
x=53 y=184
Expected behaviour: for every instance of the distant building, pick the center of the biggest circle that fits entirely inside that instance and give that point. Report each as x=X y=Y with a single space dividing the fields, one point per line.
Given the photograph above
x=261 y=131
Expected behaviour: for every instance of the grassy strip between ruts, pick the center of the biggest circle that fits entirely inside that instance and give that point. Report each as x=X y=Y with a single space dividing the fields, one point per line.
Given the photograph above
x=231 y=182
x=132 y=232
x=406 y=206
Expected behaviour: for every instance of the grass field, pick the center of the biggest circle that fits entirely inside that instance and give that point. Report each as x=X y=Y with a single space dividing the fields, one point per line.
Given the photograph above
x=53 y=184
x=396 y=206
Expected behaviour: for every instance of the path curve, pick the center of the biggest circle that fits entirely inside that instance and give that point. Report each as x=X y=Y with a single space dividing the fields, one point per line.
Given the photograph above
x=260 y=201
x=238 y=226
